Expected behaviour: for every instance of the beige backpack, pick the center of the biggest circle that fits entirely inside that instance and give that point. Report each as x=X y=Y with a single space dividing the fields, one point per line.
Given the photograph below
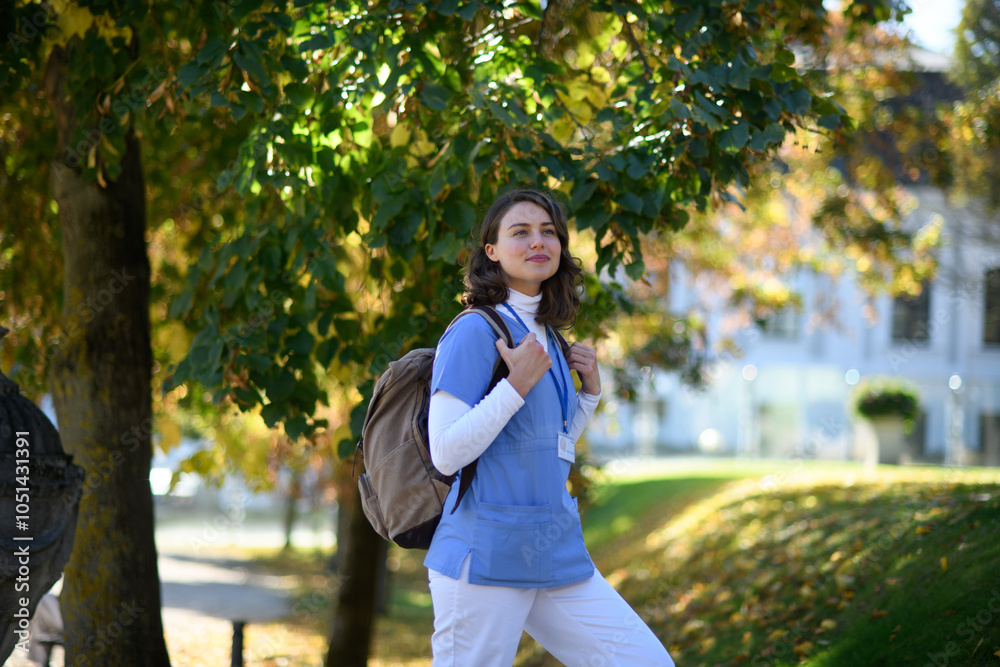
x=402 y=493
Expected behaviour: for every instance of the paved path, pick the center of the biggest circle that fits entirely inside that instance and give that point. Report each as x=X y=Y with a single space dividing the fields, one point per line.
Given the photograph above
x=210 y=588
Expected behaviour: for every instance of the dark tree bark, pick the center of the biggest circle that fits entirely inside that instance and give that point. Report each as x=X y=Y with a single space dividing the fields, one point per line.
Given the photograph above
x=291 y=507
x=354 y=608
x=100 y=382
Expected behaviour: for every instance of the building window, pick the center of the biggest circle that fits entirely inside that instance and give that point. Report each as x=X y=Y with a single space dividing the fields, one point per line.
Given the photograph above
x=989 y=438
x=911 y=316
x=916 y=439
x=781 y=324
x=991 y=314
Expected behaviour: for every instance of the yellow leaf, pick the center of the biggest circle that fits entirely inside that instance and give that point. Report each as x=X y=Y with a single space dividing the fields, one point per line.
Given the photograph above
x=423 y=148
x=828 y=624
x=923 y=529
x=400 y=136
x=75 y=21
x=600 y=75
x=585 y=56
x=170 y=432
x=776 y=635
x=944 y=563
x=804 y=648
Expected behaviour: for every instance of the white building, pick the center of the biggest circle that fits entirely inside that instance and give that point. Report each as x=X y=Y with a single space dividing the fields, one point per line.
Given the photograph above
x=788 y=394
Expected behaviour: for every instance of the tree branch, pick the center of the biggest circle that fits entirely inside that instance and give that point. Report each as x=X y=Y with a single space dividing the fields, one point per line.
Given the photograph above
x=638 y=49
x=541 y=29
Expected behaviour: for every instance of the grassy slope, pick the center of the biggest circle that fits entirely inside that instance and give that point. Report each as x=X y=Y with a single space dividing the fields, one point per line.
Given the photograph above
x=822 y=567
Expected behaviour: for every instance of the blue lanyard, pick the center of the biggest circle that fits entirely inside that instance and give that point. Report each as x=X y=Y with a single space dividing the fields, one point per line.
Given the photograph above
x=561 y=388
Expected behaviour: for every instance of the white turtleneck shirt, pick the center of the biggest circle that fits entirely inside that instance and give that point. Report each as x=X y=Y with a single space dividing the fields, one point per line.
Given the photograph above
x=460 y=433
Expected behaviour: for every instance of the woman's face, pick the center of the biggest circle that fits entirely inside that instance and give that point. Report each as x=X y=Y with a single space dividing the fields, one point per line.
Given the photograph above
x=527 y=247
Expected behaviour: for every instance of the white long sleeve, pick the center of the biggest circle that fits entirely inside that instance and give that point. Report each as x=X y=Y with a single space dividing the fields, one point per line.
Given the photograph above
x=585 y=406
x=460 y=434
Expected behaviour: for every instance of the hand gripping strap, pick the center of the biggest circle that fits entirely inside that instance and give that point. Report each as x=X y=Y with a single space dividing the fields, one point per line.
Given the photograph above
x=500 y=371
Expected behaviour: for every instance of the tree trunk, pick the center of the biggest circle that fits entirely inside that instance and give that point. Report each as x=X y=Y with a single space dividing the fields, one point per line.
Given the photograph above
x=100 y=383
x=354 y=611
x=291 y=505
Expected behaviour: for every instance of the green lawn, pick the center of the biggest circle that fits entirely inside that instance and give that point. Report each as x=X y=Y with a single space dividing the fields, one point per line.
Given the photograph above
x=778 y=563
x=807 y=564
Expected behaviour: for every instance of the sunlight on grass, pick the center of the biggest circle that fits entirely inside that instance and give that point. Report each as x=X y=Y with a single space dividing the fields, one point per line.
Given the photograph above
x=730 y=562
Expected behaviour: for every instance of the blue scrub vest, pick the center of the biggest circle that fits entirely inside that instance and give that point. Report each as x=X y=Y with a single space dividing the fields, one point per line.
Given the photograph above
x=517 y=519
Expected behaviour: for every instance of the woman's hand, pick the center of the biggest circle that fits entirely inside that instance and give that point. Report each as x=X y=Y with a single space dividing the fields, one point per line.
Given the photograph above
x=583 y=360
x=527 y=363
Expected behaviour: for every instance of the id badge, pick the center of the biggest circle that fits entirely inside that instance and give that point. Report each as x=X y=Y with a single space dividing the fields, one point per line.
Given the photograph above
x=567 y=448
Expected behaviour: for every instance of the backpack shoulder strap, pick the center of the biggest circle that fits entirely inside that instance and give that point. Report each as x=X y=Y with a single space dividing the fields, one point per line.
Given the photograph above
x=563 y=344
x=500 y=371
x=490 y=314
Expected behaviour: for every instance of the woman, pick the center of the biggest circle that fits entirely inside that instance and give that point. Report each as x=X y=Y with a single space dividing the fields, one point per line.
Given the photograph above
x=512 y=557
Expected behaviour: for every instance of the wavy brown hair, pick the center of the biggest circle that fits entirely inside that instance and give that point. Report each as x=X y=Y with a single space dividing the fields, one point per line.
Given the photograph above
x=484 y=281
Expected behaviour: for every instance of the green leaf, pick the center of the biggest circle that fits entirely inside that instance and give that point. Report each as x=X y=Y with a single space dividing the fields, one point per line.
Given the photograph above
x=462 y=217
x=434 y=96
x=218 y=100
x=735 y=138
x=346 y=448
x=635 y=270
x=630 y=202
x=468 y=10
x=301 y=95
x=296 y=426
x=272 y=413
x=301 y=343
x=387 y=210
x=213 y=49
x=326 y=351
x=679 y=109
x=798 y=101
x=319 y=41
x=445 y=247
x=280 y=387
x=250 y=65
x=251 y=100
x=347 y=329
x=582 y=193
x=446 y=7
x=279 y=20
x=190 y=74
x=830 y=121
x=636 y=169
x=706 y=112
x=784 y=55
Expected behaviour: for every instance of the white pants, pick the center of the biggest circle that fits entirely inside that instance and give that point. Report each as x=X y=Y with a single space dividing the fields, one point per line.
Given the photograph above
x=587 y=624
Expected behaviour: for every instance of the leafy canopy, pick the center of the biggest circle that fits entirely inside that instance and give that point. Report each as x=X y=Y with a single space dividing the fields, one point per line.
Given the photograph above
x=371 y=135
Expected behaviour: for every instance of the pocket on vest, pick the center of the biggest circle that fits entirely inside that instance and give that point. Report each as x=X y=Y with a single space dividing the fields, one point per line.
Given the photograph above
x=514 y=544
